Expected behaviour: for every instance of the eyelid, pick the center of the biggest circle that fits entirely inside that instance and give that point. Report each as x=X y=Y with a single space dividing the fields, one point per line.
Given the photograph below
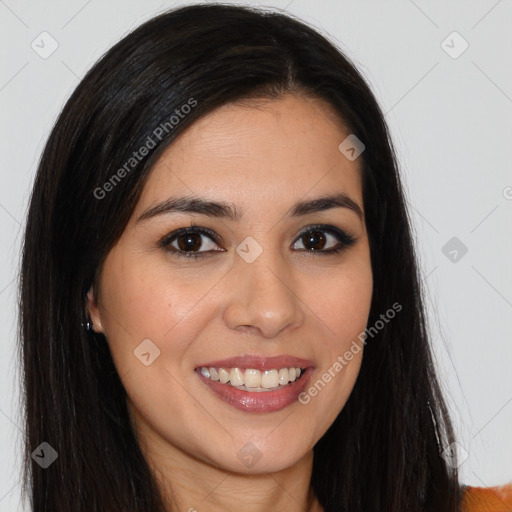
x=190 y=229
x=340 y=233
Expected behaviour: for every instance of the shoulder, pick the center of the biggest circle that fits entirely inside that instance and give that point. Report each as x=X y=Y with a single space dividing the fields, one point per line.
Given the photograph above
x=487 y=499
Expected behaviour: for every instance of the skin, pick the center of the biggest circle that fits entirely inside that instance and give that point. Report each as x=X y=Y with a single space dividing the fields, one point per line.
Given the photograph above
x=264 y=156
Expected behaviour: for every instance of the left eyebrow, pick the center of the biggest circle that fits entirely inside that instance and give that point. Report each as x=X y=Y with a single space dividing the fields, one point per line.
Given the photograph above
x=220 y=209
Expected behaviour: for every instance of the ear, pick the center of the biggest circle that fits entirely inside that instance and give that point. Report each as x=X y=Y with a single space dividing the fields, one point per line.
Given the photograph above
x=94 y=311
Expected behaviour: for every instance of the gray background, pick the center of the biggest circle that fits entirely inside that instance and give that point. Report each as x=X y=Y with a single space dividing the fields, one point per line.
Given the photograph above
x=450 y=118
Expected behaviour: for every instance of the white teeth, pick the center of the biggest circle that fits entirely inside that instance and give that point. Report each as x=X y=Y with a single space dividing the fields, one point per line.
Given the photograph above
x=223 y=375
x=236 y=377
x=284 y=376
x=252 y=379
x=270 y=379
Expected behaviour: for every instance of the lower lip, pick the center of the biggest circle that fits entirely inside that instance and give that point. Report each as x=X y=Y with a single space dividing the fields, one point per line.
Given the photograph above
x=253 y=401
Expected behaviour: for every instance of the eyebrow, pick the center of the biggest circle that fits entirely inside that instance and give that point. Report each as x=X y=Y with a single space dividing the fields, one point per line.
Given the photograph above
x=220 y=209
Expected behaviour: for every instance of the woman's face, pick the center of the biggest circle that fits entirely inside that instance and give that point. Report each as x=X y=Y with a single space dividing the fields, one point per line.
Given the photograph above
x=256 y=291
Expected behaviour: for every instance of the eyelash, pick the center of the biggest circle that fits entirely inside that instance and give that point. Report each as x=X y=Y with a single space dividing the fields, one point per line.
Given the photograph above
x=345 y=238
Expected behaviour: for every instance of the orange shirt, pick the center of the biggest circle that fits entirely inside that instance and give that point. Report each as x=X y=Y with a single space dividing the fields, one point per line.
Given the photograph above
x=488 y=499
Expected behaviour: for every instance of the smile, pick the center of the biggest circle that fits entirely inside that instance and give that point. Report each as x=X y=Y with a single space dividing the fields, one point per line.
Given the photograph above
x=257 y=384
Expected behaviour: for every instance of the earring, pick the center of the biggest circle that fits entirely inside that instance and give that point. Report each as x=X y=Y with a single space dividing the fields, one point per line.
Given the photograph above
x=87 y=325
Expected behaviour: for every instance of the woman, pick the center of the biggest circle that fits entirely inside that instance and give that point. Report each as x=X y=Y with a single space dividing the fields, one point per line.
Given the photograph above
x=220 y=302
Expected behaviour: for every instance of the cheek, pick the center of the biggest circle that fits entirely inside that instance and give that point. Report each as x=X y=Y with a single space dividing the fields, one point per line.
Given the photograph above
x=341 y=302
x=342 y=306
x=150 y=322
x=329 y=391
x=143 y=300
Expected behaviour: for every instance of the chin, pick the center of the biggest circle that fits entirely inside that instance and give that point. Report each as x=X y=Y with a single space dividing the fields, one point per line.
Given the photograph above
x=259 y=456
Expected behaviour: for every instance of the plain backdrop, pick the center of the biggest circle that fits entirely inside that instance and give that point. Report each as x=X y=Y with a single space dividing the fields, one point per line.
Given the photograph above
x=448 y=102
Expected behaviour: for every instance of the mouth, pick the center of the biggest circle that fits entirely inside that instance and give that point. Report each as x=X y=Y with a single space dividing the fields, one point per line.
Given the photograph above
x=255 y=384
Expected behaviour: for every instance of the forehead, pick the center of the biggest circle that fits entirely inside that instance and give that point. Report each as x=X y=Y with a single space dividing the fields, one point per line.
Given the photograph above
x=258 y=152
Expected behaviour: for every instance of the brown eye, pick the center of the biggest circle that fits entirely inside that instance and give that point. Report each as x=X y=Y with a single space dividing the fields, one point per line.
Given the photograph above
x=315 y=239
x=187 y=242
x=325 y=239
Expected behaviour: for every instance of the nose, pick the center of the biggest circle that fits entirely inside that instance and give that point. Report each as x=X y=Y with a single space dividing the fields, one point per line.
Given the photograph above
x=263 y=296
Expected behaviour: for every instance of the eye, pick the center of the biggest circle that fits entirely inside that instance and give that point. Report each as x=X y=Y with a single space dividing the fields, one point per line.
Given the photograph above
x=186 y=242
x=314 y=237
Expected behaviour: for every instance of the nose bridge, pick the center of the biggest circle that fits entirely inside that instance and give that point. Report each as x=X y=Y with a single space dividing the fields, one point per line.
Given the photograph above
x=262 y=295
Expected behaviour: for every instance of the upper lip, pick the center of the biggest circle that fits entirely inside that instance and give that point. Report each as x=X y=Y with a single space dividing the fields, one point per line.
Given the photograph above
x=259 y=362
